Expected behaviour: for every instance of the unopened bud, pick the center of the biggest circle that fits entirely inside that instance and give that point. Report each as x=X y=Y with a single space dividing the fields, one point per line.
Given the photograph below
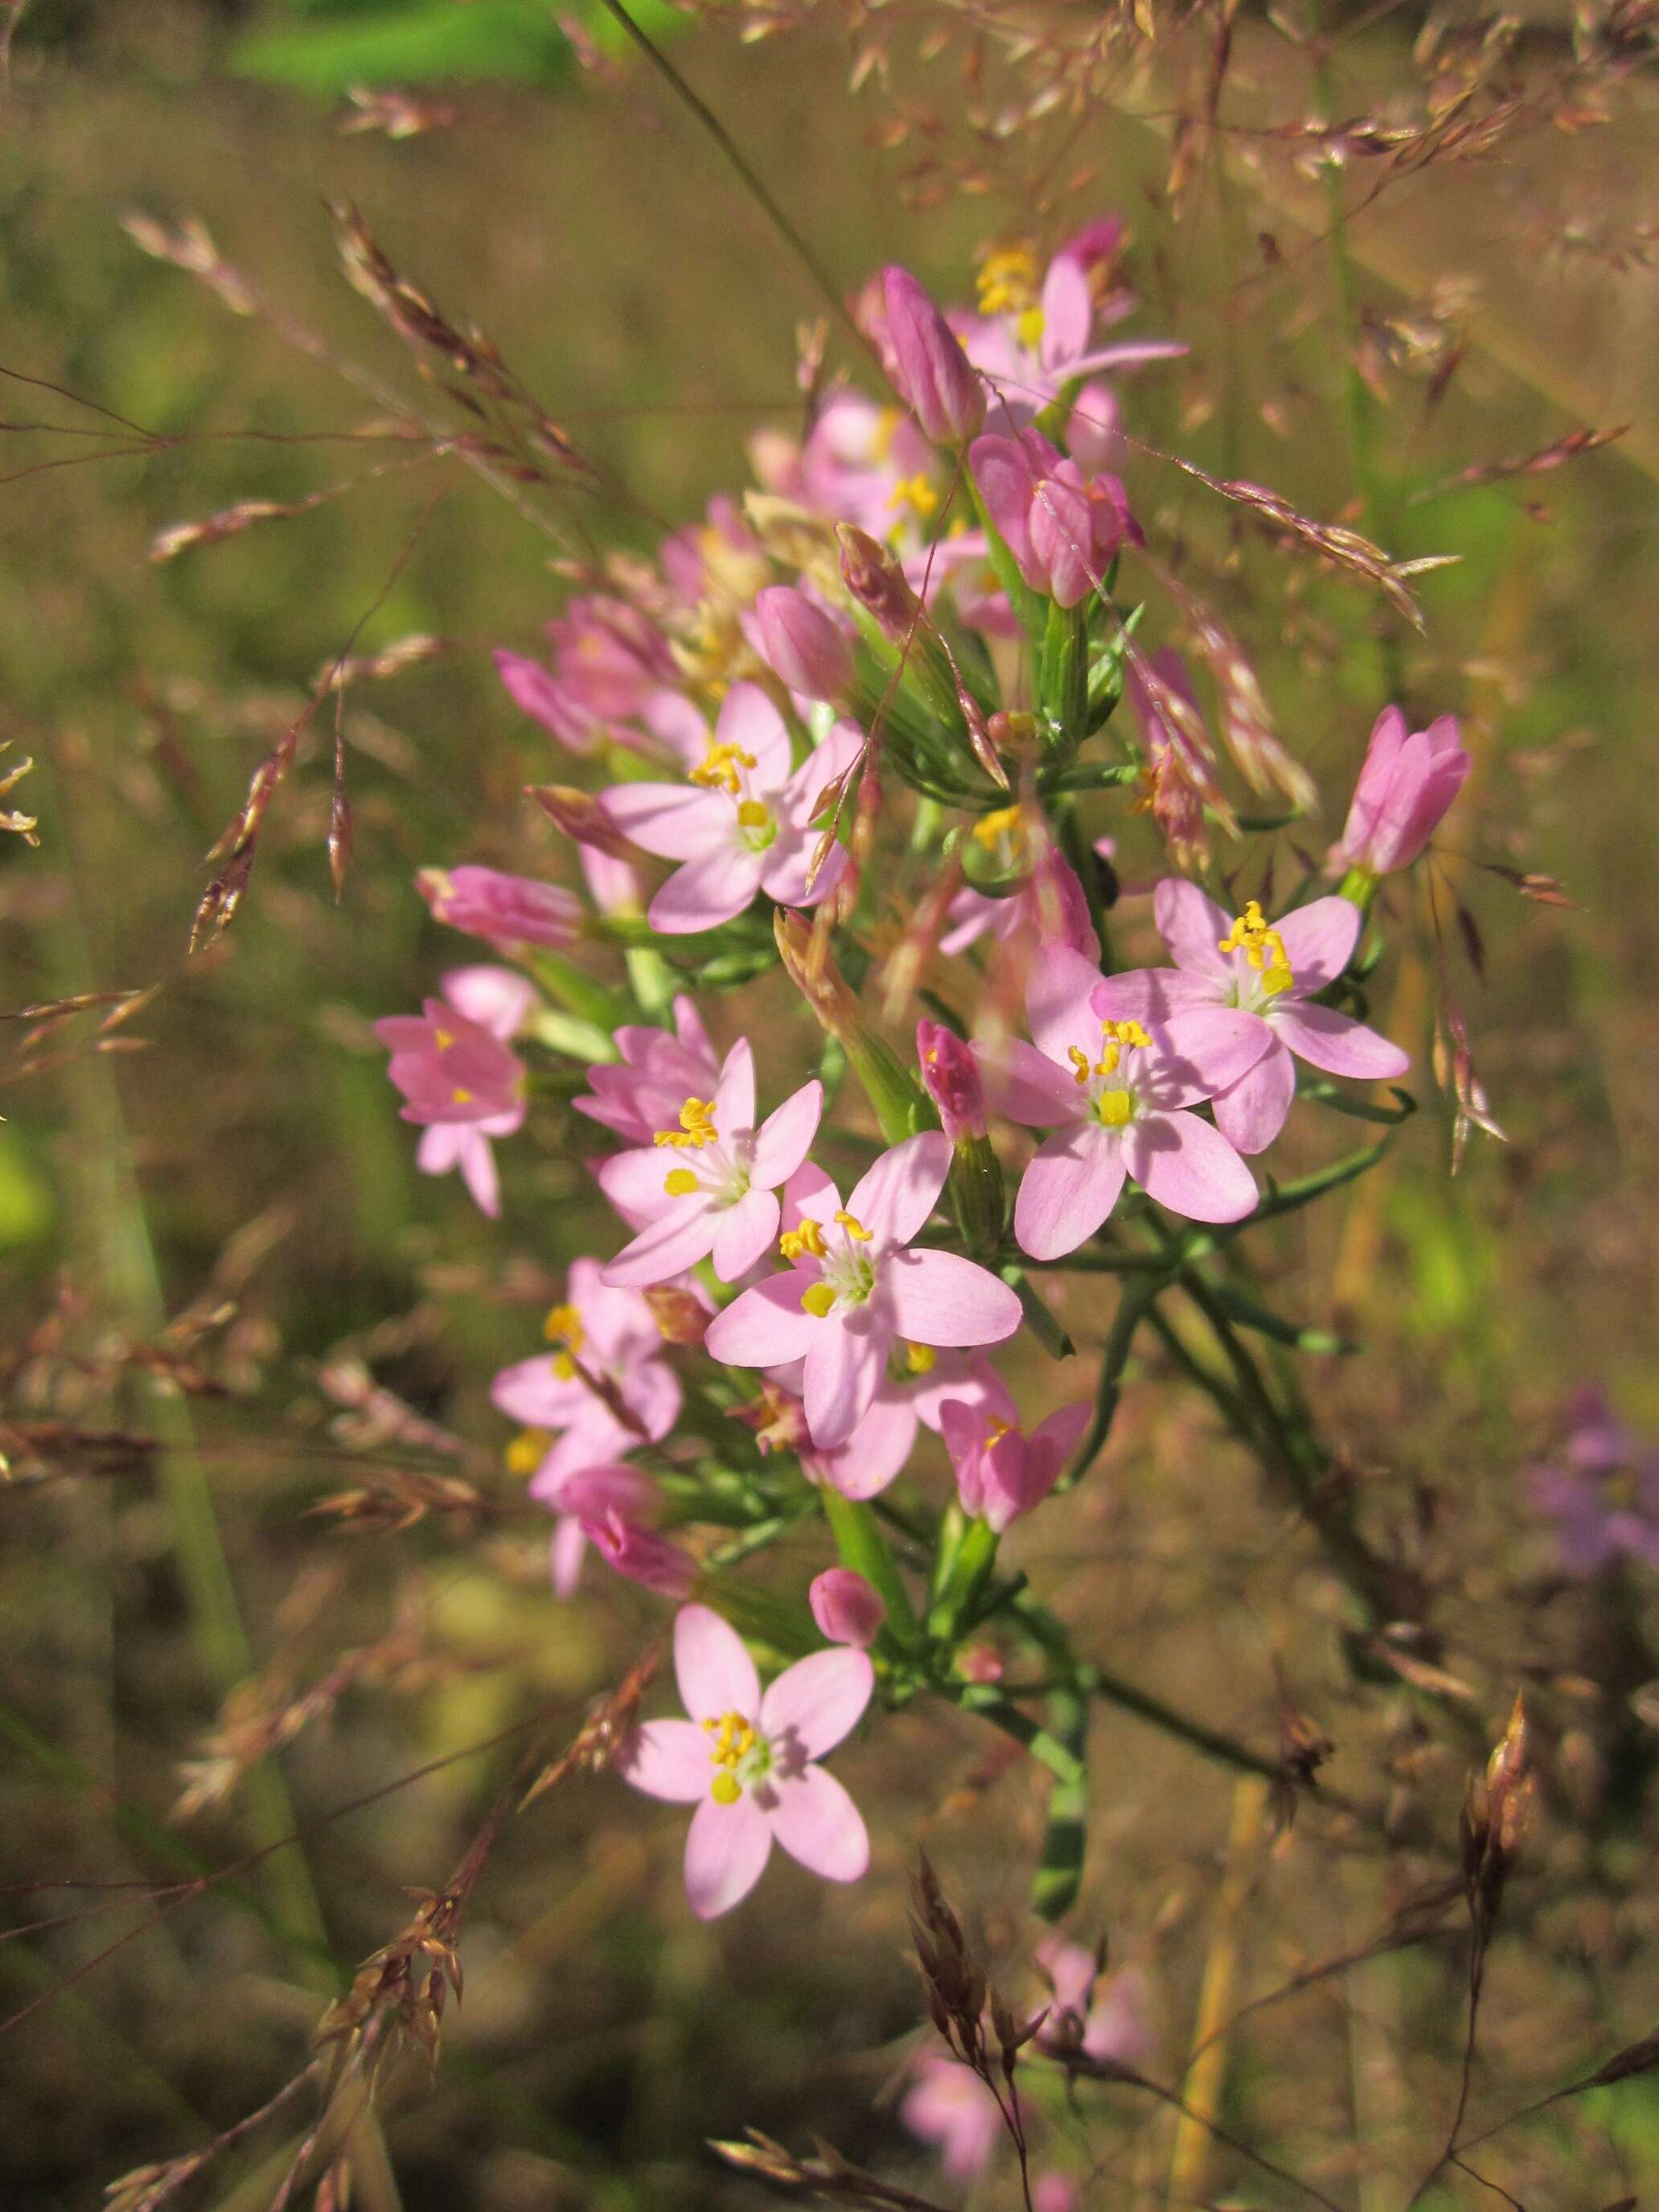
x=808 y=651
x=877 y=582
x=847 y=1608
x=581 y=817
x=930 y=372
x=951 y=1075
x=680 y=1317
x=502 y=910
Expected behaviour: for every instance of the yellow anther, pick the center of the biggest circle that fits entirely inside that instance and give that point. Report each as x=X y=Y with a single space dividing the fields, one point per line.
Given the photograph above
x=460 y=1097
x=1007 y=281
x=1120 y=1033
x=886 y=429
x=718 y=769
x=1115 y=1108
x=527 y=1451
x=563 y=1325
x=1028 y=328
x=1262 y=946
x=696 y=1125
x=806 y=1235
x=855 y=1228
x=995 y=1430
x=443 y=1039
x=726 y=1789
x=734 y=1739
x=1006 y=822
x=1079 y=1060
x=921 y=1358
x=816 y=1299
x=752 y=815
x=916 y=495
x=679 y=1182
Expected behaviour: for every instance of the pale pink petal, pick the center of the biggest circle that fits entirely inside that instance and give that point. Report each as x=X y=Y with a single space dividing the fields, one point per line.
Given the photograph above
x=565 y=1553
x=1068 y=1190
x=634 y=1182
x=1127 y=353
x=1057 y=995
x=671 y=820
x=1338 y=1044
x=689 y=1030
x=1068 y=313
x=815 y=1702
x=819 y=1825
x=895 y=1197
x=1153 y=995
x=668 y=1759
x=844 y=1363
x=1062 y=1432
x=1206 y=1050
x=1251 y=1112
x=788 y=878
x=1193 y=927
x=782 y=1139
x=1023 y=1084
x=734 y=1094
x=713 y=1668
x=766 y=1325
x=939 y=1298
x=744 y=1233
x=1319 y=941
x=749 y=721
x=706 y=892
x=1189 y=1167
x=725 y=1854
x=684 y=1235
x=533 y=1391
x=876 y=1451
x=810 y=1191
x=497 y=998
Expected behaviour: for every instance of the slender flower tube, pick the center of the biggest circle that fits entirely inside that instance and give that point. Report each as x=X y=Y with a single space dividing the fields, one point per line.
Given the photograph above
x=507 y=910
x=855 y=1285
x=1117 y=1095
x=949 y=1075
x=1409 y=779
x=1270 y=972
x=706 y=1184
x=930 y=372
x=748 y=1760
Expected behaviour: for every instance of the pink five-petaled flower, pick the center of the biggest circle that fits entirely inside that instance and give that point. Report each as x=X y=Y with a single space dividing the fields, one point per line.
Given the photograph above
x=1268 y=971
x=1001 y=1472
x=1408 y=780
x=1062 y=531
x=657 y=1074
x=602 y=1388
x=1104 y=2019
x=706 y=1185
x=949 y=2107
x=507 y=910
x=1116 y=1093
x=458 y=1075
x=855 y=1285
x=743 y=824
x=1601 y=1489
x=748 y=1761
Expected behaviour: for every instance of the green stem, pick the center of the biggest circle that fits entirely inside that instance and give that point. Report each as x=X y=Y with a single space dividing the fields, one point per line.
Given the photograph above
x=862 y=1546
x=1134 y=1303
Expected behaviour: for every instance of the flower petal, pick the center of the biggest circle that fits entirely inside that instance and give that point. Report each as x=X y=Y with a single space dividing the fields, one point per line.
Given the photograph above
x=766 y=1325
x=744 y=1234
x=712 y=1667
x=1068 y=1190
x=749 y=721
x=781 y=1141
x=727 y=1849
x=1189 y=1167
x=939 y=1298
x=734 y=1094
x=706 y=892
x=1319 y=941
x=675 y=1241
x=1023 y=1084
x=1192 y=927
x=1338 y=1044
x=816 y=1701
x=1251 y=1112
x=1057 y=995
x=844 y=1363
x=667 y=1759
x=876 y=1449
x=896 y=1195
x=1153 y=995
x=1206 y=1049
x=632 y=1182
x=669 y=819
x=820 y=1827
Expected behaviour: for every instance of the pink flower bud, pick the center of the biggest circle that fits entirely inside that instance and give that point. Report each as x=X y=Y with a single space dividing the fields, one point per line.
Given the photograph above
x=802 y=646
x=846 y=1607
x=581 y=817
x=930 y=371
x=1406 y=785
x=950 y=1074
x=505 y=910
x=643 y=1557
x=1062 y=531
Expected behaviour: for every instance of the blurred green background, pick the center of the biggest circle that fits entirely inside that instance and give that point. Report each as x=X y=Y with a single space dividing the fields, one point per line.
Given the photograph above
x=581 y=220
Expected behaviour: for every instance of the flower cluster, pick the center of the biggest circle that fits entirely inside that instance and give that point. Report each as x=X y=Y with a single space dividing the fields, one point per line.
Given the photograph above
x=858 y=725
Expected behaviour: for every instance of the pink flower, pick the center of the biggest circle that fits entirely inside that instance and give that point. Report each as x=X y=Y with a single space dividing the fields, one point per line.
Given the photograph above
x=459 y=1077
x=606 y=1355
x=809 y=652
x=508 y=910
x=847 y=1608
x=860 y=464
x=1117 y=1094
x=1001 y=1472
x=658 y=1074
x=1406 y=786
x=743 y=825
x=599 y=1504
x=1268 y=972
x=1053 y=909
x=1035 y=338
x=949 y=1075
x=609 y=659
x=705 y=1185
x=634 y=1552
x=1601 y=1489
x=1106 y=2020
x=949 y=2106
x=1062 y=530
x=930 y=371
x=856 y=1285
x=613 y=884
x=749 y=1761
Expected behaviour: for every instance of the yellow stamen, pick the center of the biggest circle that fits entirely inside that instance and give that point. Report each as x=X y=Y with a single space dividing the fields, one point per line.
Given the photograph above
x=1130 y=1033
x=460 y=1097
x=718 y=769
x=1262 y=946
x=881 y=438
x=1007 y=283
x=1115 y=1108
x=1028 y=328
x=806 y=1235
x=915 y=494
x=995 y=1430
x=1079 y=1060
x=856 y=1229
x=734 y=1739
x=696 y=1125
x=679 y=1182
x=816 y=1299
x=443 y=1039
x=527 y=1451
x=1006 y=822
x=726 y=1789
x=563 y=1325
x=921 y=1358
x=751 y=815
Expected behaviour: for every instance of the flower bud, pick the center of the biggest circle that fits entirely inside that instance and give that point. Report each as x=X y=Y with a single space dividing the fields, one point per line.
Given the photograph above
x=929 y=370
x=503 y=909
x=680 y=1315
x=877 y=582
x=582 y=817
x=847 y=1608
x=1408 y=783
x=950 y=1074
x=804 y=647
